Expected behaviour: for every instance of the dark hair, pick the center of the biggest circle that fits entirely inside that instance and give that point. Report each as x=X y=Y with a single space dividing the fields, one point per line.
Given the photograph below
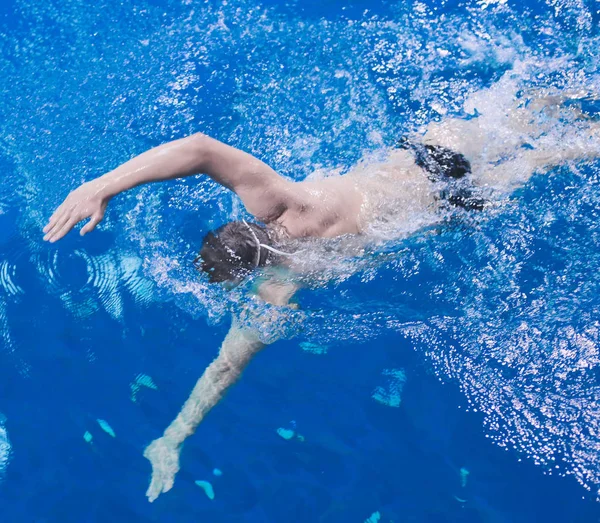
x=231 y=253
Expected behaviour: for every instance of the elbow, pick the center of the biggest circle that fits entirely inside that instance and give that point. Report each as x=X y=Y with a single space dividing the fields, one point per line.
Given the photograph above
x=198 y=142
x=198 y=138
x=197 y=150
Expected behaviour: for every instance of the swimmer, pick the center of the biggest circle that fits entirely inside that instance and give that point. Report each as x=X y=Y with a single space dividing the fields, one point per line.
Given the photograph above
x=453 y=165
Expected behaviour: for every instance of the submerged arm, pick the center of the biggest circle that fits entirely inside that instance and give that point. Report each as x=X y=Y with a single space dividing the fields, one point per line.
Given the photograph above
x=238 y=348
x=232 y=168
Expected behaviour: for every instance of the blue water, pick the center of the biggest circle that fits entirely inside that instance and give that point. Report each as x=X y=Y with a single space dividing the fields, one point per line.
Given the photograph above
x=493 y=320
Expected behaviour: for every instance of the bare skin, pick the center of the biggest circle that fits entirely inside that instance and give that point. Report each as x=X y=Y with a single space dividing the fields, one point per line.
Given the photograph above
x=322 y=208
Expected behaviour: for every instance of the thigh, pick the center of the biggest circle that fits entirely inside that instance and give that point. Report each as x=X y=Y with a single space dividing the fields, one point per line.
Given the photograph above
x=463 y=136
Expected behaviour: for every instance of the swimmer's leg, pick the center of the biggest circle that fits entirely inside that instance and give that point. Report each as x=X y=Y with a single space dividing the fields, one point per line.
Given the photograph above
x=554 y=105
x=503 y=127
x=579 y=143
x=506 y=145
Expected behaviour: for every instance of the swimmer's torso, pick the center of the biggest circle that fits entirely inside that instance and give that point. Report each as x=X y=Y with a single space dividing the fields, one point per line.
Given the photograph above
x=389 y=191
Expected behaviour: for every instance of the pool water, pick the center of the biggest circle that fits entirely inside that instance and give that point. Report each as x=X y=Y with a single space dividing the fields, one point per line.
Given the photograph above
x=457 y=380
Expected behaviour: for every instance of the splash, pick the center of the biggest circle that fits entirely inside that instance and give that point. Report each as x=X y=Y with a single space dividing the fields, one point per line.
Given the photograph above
x=509 y=317
x=523 y=343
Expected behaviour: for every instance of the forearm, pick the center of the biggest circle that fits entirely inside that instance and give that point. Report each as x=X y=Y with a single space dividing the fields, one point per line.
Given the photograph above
x=238 y=348
x=175 y=159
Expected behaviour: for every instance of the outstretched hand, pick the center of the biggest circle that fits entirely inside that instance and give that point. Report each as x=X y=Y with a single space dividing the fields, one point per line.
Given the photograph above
x=87 y=201
x=164 y=457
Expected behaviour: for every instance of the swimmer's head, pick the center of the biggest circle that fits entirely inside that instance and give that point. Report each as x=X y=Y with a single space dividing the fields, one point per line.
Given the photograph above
x=233 y=251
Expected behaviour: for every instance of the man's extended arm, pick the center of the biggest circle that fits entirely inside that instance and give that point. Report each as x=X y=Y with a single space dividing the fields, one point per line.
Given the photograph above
x=235 y=169
x=238 y=348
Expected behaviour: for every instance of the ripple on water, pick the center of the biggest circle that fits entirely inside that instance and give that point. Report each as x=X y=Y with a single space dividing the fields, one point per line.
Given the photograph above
x=141 y=288
x=8 y=278
x=301 y=103
x=5 y=447
x=87 y=283
x=525 y=346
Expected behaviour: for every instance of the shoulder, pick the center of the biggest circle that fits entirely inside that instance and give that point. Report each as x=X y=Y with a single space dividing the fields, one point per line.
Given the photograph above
x=269 y=200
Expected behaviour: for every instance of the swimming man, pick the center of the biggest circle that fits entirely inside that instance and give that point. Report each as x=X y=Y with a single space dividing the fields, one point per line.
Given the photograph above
x=448 y=168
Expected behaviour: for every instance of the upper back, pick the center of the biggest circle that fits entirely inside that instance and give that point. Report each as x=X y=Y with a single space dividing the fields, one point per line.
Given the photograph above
x=324 y=209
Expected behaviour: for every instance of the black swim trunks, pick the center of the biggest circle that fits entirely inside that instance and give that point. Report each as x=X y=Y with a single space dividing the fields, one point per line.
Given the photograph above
x=445 y=166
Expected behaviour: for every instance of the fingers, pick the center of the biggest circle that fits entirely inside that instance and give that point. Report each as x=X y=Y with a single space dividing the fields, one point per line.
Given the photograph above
x=159 y=484
x=91 y=225
x=154 y=490
x=60 y=224
x=59 y=232
x=164 y=468
x=58 y=215
x=59 y=210
x=156 y=483
x=52 y=220
x=57 y=225
x=168 y=483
